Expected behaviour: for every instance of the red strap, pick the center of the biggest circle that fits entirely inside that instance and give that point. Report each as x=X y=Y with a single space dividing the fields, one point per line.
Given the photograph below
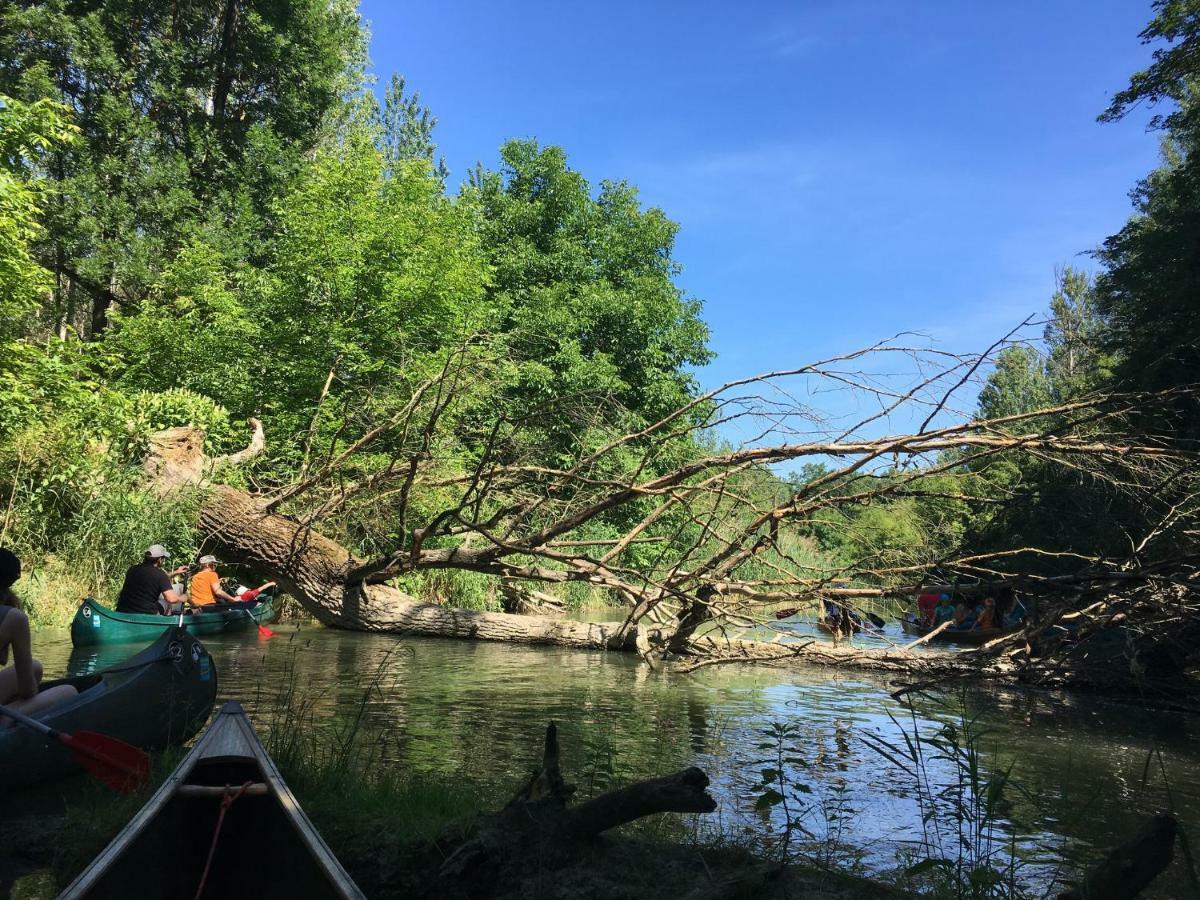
x=227 y=801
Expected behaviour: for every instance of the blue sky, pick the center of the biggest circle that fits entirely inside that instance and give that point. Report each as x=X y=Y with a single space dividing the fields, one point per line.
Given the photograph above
x=840 y=171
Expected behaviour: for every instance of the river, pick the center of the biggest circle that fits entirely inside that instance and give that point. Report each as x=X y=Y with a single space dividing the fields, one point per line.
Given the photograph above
x=471 y=709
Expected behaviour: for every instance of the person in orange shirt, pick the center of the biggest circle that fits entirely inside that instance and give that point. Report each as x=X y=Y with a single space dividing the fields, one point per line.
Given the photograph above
x=206 y=584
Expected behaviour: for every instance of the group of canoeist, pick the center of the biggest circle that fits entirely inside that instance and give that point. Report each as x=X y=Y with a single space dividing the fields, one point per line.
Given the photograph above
x=1003 y=610
x=149 y=589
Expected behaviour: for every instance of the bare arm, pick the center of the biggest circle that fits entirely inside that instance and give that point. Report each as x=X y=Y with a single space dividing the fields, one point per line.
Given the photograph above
x=217 y=592
x=173 y=596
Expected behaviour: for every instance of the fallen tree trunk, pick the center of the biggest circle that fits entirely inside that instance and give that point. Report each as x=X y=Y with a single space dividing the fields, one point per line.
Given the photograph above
x=537 y=830
x=320 y=574
x=314 y=568
x=1127 y=870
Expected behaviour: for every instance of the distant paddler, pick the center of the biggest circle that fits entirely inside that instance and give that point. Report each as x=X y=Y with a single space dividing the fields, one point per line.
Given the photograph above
x=206 y=585
x=148 y=588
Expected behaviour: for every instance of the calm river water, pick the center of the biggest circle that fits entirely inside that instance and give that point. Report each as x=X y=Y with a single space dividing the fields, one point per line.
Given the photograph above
x=453 y=709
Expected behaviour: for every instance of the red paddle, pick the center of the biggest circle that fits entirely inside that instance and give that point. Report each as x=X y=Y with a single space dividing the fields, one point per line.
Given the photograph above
x=121 y=766
x=246 y=597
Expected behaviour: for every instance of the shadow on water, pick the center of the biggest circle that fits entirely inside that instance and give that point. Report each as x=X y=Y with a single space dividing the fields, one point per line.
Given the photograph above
x=451 y=709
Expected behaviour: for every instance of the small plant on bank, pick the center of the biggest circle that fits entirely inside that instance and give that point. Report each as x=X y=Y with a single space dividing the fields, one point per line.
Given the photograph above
x=778 y=787
x=965 y=851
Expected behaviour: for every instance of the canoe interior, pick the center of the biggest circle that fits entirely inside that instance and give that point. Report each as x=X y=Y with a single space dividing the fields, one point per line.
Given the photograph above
x=267 y=847
x=167 y=860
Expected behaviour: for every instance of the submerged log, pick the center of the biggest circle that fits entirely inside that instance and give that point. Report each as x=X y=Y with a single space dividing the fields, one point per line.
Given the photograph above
x=1128 y=869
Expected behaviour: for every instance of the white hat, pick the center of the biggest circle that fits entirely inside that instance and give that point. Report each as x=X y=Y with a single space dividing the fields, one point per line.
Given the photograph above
x=207 y=560
x=158 y=551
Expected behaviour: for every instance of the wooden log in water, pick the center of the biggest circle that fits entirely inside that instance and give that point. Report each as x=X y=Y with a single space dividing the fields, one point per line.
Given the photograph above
x=1128 y=869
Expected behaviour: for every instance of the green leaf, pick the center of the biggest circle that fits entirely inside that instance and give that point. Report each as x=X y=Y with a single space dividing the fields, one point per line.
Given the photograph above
x=926 y=864
x=768 y=799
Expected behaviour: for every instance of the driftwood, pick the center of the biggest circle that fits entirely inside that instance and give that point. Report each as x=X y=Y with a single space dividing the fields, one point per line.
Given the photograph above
x=1128 y=869
x=537 y=827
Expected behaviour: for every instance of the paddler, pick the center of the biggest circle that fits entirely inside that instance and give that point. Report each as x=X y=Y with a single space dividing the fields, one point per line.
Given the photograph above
x=148 y=589
x=19 y=683
x=206 y=585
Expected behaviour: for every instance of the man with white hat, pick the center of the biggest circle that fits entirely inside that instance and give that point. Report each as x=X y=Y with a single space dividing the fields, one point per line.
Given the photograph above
x=148 y=588
x=206 y=584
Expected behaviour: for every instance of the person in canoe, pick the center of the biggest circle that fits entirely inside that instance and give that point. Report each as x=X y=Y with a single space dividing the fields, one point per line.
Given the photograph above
x=206 y=585
x=964 y=617
x=985 y=613
x=944 y=612
x=148 y=588
x=20 y=682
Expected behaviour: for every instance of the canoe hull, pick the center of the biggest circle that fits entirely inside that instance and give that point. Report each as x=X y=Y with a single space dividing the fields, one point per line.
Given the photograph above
x=974 y=638
x=158 y=698
x=163 y=850
x=96 y=624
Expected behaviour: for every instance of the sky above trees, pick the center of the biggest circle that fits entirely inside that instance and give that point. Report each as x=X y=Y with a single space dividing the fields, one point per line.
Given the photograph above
x=841 y=171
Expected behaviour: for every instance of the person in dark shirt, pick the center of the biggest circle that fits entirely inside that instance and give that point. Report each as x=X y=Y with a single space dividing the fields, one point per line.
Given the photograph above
x=146 y=582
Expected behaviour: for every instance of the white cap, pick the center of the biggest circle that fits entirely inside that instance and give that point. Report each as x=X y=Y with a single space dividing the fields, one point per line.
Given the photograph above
x=158 y=551
x=207 y=560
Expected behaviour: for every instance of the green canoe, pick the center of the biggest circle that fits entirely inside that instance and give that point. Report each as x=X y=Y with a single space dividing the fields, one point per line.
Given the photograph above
x=97 y=624
x=157 y=698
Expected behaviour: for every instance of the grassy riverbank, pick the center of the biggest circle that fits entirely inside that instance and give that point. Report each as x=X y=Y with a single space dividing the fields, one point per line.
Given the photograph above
x=385 y=831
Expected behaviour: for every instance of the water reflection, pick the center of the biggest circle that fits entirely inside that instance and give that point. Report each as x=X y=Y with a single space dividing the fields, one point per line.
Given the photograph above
x=448 y=708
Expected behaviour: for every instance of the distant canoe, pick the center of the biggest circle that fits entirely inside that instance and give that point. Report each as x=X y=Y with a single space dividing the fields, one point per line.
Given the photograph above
x=267 y=846
x=974 y=637
x=95 y=623
x=158 y=698
x=826 y=626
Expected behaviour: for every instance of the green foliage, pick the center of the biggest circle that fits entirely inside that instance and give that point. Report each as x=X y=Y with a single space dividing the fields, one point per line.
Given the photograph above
x=583 y=286
x=407 y=130
x=28 y=133
x=1148 y=290
x=1169 y=79
x=1017 y=385
x=1074 y=336
x=168 y=100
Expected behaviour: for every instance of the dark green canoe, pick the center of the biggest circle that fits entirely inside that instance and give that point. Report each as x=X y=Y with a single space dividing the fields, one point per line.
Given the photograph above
x=95 y=623
x=157 y=698
x=224 y=824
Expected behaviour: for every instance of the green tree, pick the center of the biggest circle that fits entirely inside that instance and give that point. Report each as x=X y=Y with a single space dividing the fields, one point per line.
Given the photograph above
x=1017 y=385
x=1148 y=289
x=583 y=286
x=408 y=129
x=168 y=98
x=1076 y=362
x=29 y=132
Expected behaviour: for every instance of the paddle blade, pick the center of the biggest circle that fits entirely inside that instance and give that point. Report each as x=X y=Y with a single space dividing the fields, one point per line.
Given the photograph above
x=121 y=766
x=264 y=631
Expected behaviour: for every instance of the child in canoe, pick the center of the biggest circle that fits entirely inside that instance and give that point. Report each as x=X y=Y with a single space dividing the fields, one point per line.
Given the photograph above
x=19 y=683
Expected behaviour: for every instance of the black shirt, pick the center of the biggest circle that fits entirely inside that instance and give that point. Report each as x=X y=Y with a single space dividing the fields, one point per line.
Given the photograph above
x=143 y=583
